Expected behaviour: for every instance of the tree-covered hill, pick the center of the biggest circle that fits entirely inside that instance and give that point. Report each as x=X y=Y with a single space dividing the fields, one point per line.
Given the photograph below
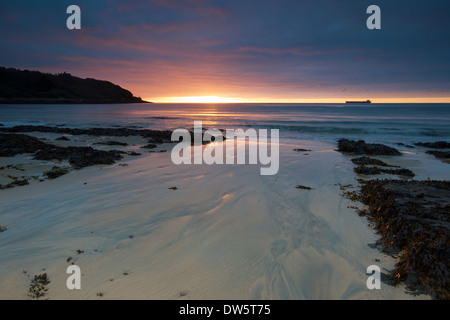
x=24 y=86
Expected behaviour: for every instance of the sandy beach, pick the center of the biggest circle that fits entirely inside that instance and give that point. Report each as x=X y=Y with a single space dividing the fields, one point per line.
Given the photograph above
x=224 y=232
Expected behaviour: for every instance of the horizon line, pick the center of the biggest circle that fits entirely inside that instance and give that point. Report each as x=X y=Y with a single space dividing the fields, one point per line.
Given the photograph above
x=209 y=99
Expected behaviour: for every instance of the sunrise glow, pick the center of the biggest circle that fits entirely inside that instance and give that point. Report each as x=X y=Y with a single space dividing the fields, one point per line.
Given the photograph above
x=199 y=99
x=216 y=99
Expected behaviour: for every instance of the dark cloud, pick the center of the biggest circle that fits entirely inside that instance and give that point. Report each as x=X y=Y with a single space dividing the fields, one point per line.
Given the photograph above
x=286 y=48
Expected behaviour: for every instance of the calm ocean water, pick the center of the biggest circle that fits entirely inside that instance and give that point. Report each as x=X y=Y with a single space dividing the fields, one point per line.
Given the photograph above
x=374 y=122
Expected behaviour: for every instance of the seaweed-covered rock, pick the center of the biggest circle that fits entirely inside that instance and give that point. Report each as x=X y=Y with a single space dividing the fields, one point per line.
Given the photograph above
x=79 y=157
x=413 y=219
x=13 y=144
x=361 y=147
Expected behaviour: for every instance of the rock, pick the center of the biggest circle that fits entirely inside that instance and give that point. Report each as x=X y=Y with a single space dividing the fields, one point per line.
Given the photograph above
x=405 y=145
x=362 y=212
x=132 y=153
x=302 y=187
x=370 y=161
x=149 y=146
x=434 y=145
x=440 y=154
x=63 y=138
x=79 y=157
x=112 y=143
x=56 y=172
x=22 y=182
x=13 y=144
x=368 y=171
x=301 y=150
x=183 y=293
x=400 y=172
x=159 y=151
x=375 y=170
x=361 y=147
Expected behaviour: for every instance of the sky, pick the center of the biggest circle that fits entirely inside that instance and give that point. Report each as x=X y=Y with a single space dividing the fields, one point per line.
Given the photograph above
x=239 y=50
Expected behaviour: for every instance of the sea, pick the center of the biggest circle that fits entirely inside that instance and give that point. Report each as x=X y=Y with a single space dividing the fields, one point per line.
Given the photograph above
x=378 y=123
